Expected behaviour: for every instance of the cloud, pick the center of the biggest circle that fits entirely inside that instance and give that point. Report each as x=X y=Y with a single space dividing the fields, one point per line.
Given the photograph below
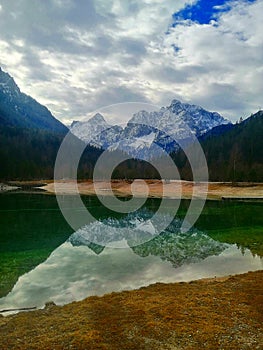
x=230 y=53
x=76 y=56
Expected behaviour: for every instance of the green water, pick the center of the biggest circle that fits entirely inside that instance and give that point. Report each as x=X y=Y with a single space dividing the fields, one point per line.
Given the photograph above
x=32 y=227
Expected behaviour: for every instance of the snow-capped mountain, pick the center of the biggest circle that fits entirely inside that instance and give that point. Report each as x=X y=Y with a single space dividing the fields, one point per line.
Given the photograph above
x=174 y=119
x=149 y=134
x=96 y=131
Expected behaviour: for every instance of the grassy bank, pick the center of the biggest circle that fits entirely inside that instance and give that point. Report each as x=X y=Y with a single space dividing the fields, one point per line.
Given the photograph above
x=208 y=314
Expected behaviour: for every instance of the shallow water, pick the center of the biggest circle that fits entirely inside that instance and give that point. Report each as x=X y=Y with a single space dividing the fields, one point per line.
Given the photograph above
x=55 y=264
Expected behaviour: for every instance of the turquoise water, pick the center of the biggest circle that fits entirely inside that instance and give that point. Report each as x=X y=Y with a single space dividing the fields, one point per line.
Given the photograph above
x=43 y=259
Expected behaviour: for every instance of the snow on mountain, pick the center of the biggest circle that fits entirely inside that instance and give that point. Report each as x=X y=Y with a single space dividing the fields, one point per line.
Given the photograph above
x=174 y=119
x=96 y=131
x=86 y=131
x=142 y=141
x=148 y=134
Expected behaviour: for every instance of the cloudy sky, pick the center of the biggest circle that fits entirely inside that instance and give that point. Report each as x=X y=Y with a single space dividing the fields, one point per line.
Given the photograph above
x=76 y=56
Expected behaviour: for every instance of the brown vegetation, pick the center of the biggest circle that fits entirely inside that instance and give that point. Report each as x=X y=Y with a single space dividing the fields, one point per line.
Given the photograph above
x=208 y=314
x=216 y=190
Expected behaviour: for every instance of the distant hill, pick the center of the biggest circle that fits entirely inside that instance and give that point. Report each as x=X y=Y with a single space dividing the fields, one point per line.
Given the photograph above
x=236 y=154
x=27 y=154
x=233 y=152
x=20 y=110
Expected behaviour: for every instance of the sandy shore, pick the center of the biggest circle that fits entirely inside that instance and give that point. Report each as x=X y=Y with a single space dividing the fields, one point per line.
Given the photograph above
x=207 y=314
x=5 y=188
x=156 y=188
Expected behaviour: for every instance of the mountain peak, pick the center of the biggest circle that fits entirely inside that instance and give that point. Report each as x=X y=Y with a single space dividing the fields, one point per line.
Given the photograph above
x=75 y=122
x=175 y=102
x=97 y=118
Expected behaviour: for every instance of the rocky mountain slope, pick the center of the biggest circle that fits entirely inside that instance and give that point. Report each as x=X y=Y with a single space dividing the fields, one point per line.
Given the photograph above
x=20 y=110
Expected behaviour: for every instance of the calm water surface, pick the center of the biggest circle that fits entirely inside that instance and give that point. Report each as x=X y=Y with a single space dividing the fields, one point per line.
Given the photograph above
x=43 y=260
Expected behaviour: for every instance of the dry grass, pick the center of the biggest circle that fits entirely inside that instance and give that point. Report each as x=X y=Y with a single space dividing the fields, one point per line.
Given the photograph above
x=156 y=187
x=209 y=314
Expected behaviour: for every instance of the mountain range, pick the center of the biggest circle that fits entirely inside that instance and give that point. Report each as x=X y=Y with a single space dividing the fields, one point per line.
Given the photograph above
x=148 y=134
x=30 y=137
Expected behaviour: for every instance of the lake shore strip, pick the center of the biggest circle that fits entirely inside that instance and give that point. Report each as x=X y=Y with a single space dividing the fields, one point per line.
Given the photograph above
x=159 y=189
x=219 y=313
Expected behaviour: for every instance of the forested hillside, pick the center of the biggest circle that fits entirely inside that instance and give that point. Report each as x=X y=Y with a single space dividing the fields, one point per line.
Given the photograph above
x=233 y=152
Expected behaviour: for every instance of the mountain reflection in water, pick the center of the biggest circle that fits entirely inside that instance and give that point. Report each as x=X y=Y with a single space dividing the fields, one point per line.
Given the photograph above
x=79 y=268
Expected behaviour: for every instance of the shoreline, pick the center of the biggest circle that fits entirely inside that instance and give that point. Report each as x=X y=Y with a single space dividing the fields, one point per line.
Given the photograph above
x=157 y=188
x=214 y=313
x=174 y=189
x=12 y=312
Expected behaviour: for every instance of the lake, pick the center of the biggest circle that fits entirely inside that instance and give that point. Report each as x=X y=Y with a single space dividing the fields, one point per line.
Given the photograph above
x=43 y=259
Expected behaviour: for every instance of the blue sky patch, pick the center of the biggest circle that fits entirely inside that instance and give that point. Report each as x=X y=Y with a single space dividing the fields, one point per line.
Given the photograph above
x=175 y=47
x=203 y=11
